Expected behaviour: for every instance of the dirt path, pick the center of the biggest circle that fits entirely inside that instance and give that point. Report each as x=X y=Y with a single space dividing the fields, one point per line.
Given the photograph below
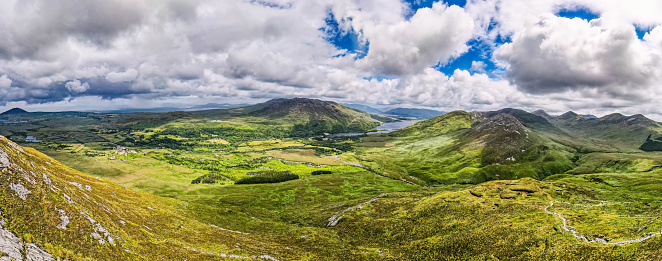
x=333 y=220
x=595 y=240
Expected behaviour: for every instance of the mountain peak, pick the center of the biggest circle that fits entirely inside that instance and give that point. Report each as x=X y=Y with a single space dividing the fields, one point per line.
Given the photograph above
x=14 y=111
x=281 y=107
x=588 y=116
x=570 y=115
x=501 y=122
x=313 y=117
x=542 y=113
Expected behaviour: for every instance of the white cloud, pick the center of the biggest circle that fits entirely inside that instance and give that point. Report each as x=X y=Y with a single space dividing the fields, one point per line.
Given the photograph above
x=431 y=36
x=478 y=66
x=76 y=86
x=5 y=82
x=126 y=76
x=552 y=54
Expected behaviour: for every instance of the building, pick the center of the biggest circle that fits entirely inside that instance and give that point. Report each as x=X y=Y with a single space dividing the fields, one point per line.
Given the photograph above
x=32 y=139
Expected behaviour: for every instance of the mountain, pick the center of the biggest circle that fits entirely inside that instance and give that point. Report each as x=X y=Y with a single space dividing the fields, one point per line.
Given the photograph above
x=436 y=126
x=542 y=113
x=461 y=147
x=589 y=116
x=364 y=108
x=469 y=148
x=14 y=111
x=414 y=113
x=529 y=120
x=49 y=211
x=569 y=116
x=621 y=133
x=312 y=116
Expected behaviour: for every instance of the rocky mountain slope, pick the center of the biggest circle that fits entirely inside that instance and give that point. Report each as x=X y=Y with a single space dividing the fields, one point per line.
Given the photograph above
x=52 y=212
x=462 y=147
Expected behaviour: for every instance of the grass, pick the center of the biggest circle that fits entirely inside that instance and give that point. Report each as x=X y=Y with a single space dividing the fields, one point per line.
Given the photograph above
x=498 y=220
x=482 y=205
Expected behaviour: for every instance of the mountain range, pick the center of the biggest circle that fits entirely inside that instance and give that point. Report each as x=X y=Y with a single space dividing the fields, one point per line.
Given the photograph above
x=463 y=147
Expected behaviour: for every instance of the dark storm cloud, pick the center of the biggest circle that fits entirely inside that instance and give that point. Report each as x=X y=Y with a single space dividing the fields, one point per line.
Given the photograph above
x=37 y=25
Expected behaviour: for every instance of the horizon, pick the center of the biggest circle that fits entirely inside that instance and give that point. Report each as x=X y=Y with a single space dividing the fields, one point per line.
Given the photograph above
x=230 y=106
x=590 y=57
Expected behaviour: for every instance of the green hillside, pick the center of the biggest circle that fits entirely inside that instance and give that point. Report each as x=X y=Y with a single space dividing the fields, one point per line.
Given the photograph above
x=471 y=148
x=302 y=116
x=52 y=211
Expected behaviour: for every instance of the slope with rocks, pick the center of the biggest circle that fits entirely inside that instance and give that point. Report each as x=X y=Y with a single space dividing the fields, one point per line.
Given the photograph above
x=462 y=147
x=52 y=212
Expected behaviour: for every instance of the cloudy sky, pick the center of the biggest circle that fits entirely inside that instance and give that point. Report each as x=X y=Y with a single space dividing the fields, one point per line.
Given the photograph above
x=590 y=56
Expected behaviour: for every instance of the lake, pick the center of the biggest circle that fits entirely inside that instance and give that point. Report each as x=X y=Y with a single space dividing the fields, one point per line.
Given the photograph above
x=386 y=128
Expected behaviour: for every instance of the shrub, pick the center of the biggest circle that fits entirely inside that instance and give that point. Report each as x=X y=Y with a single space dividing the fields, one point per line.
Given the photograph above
x=209 y=179
x=267 y=177
x=321 y=172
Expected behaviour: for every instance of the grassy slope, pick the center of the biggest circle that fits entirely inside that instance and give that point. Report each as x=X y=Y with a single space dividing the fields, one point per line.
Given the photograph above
x=463 y=148
x=154 y=226
x=453 y=148
x=300 y=116
x=504 y=220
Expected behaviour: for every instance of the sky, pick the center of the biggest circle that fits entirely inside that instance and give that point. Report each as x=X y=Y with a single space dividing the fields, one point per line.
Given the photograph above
x=589 y=56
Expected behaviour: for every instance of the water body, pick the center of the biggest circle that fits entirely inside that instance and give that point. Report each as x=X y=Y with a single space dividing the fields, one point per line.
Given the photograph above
x=220 y=121
x=386 y=128
x=11 y=122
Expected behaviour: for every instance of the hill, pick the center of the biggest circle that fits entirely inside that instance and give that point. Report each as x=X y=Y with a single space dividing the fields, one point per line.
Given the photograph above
x=542 y=113
x=14 y=111
x=619 y=132
x=414 y=113
x=448 y=122
x=462 y=147
x=312 y=116
x=49 y=211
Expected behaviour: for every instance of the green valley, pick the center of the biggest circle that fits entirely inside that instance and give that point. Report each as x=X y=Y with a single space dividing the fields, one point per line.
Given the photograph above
x=271 y=182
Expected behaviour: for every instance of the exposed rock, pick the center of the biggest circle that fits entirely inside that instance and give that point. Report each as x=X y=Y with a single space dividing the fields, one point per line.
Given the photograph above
x=20 y=190
x=10 y=244
x=100 y=232
x=64 y=218
x=78 y=185
x=244 y=233
x=4 y=159
x=69 y=200
x=13 y=247
x=499 y=123
x=34 y=253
